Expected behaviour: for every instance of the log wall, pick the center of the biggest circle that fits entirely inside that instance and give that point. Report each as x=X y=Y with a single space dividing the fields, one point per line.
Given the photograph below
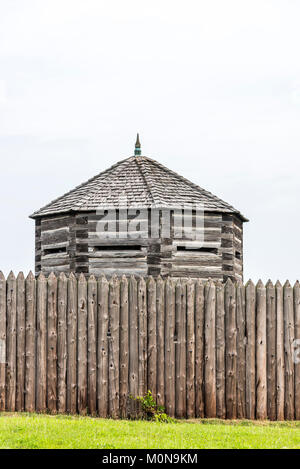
x=204 y=349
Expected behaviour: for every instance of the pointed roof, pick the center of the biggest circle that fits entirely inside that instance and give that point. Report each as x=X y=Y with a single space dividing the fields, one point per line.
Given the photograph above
x=144 y=182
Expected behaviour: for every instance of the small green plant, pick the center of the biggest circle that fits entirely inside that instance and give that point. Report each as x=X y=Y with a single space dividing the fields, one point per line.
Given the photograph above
x=151 y=410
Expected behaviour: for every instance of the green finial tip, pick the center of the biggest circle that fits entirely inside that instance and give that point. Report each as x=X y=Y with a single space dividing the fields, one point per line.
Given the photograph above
x=137 y=151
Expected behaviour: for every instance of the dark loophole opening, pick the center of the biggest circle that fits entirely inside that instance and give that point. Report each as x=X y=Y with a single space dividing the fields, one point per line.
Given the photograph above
x=55 y=250
x=117 y=247
x=190 y=249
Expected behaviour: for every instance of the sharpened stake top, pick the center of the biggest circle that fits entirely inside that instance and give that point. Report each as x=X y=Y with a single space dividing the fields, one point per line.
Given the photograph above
x=137 y=151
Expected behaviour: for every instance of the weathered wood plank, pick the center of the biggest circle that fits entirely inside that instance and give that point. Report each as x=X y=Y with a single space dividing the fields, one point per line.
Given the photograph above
x=210 y=348
x=160 y=308
x=52 y=344
x=296 y=348
x=170 y=348
x=82 y=345
x=62 y=299
x=199 y=349
x=180 y=349
x=30 y=362
x=288 y=314
x=271 y=350
x=20 y=385
x=142 y=320
x=133 y=347
x=72 y=345
x=250 y=350
x=102 y=354
x=2 y=341
x=261 y=352
x=41 y=345
x=124 y=347
x=113 y=346
x=231 y=350
x=279 y=352
x=151 y=332
x=92 y=345
x=190 y=358
x=220 y=351
x=241 y=350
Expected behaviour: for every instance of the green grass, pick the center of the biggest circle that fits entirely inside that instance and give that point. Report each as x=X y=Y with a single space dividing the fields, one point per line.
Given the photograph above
x=45 y=431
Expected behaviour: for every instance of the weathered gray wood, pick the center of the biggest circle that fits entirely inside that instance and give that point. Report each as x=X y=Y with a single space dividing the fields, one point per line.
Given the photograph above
x=180 y=349
x=241 y=350
x=250 y=350
x=11 y=343
x=20 y=389
x=2 y=341
x=62 y=299
x=41 y=346
x=279 y=352
x=170 y=348
x=209 y=350
x=190 y=358
x=220 y=351
x=261 y=352
x=102 y=354
x=231 y=350
x=82 y=345
x=152 y=343
x=72 y=345
x=142 y=321
x=113 y=346
x=124 y=347
x=199 y=349
x=92 y=345
x=288 y=313
x=52 y=344
x=160 y=307
x=296 y=348
x=30 y=343
x=271 y=350
x=133 y=347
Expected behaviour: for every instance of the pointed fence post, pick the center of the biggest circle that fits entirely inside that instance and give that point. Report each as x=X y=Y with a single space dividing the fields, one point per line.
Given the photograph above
x=231 y=349
x=250 y=350
x=210 y=348
x=279 y=352
x=241 y=350
x=41 y=344
x=114 y=346
x=30 y=343
x=170 y=348
x=102 y=348
x=82 y=345
x=142 y=338
x=160 y=307
x=52 y=344
x=62 y=300
x=296 y=348
x=190 y=354
x=288 y=315
x=199 y=349
x=2 y=341
x=271 y=350
x=261 y=352
x=133 y=347
x=20 y=390
x=152 y=343
x=180 y=349
x=72 y=345
x=124 y=347
x=220 y=351
x=92 y=345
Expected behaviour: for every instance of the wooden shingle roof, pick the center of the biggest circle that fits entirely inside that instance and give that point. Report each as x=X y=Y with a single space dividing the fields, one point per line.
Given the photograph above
x=144 y=182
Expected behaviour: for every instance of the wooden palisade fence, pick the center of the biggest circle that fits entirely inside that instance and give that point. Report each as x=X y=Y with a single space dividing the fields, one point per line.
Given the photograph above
x=203 y=349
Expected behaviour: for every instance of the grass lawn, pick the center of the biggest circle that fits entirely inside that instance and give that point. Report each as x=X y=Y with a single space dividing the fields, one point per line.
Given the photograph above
x=45 y=431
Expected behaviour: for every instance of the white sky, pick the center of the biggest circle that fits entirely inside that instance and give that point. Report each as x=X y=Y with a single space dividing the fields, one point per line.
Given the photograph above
x=212 y=86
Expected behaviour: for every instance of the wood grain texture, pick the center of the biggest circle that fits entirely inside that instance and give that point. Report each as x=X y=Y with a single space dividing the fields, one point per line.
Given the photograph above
x=2 y=342
x=220 y=351
x=152 y=337
x=52 y=344
x=241 y=350
x=142 y=339
x=72 y=345
x=279 y=352
x=209 y=350
x=190 y=342
x=296 y=348
x=199 y=348
x=271 y=350
x=20 y=390
x=41 y=345
x=124 y=346
x=133 y=347
x=160 y=308
x=231 y=350
x=114 y=346
x=250 y=350
x=261 y=352
x=170 y=348
x=102 y=348
x=180 y=349
x=289 y=405
x=92 y=345
x=62 y=299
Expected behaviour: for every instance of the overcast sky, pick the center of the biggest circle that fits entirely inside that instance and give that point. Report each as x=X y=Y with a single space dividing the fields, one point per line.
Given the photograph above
x=212 y=86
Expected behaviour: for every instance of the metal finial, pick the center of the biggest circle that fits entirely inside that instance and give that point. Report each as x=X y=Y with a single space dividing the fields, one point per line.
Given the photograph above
x=137 y=151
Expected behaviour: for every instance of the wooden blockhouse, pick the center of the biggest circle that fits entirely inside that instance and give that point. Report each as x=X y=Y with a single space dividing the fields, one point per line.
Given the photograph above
x=67 y=229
